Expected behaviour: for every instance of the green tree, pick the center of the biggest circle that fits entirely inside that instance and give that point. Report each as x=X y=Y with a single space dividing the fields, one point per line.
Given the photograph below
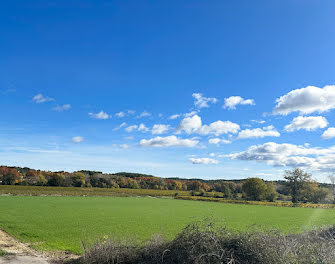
x=255 y=189
x=271 y=193
x=56 y=179
x=313 y=193
x=297 y=181
x=332 y=181
x=77 y=179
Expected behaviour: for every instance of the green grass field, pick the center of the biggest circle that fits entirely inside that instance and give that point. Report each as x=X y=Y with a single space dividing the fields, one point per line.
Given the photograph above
x=61 y=223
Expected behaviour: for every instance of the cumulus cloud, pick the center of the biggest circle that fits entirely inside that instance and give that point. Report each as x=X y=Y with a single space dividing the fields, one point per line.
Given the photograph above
x=203 y=161
x=144 y=114
x=120 y=114
x=289 y=155
x=201 y=101
x=329 y=133
x=61 y=108
x=170 y=141
x=308 y=123
x=190 y=124
x=218 y=141
x=232 y=101
x=194 y=125
x=77 y=139
x=160 y=129
x=172 y=117
x=268 y=131
x=124 y=113
x=143 y=128
x=100 y=115
x=306 y=100
x=218 y=128
x=40 y=98
x=140 y=127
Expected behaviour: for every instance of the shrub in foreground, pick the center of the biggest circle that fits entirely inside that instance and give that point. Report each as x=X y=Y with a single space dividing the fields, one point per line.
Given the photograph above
x=205 y=244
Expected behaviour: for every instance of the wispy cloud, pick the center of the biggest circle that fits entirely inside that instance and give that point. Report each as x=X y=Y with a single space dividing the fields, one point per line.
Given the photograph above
x=170 y=141
x=203 y=161
x=100 y=115
x=40 y=98
x=172 y=117
x=61 y=108
x=77 y=139
x=120 y=126
x=144 y=114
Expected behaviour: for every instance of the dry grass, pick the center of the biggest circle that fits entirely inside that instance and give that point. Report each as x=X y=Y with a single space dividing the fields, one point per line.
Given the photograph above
x=78 y=191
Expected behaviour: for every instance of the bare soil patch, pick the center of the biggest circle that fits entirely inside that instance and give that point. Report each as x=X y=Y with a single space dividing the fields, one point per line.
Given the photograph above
x=21 y=253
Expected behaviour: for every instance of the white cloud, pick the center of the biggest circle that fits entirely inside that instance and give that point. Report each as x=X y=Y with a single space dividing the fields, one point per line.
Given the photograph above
x=218 y=128
x=124 y=113
x=169 y=141
x=258 y=121
x=131 y=128
x=194 y=125
x=61 y=108
x=307 y=123
x=77 y=139
x=232 y=101
x=40 y=98
x=190 y=114
x=329 y=133
x=201 y=101
x=203 y=161
x=217 y=141
x=124 y=146
x=100 y=115
x=306 y=100
x=174 y=116
x=268 y=131
x=120 y=126
x=160 y=129
x=190 y=124
x=141 y=128
x=120 y=114
x=289 y=155
x=144 y=114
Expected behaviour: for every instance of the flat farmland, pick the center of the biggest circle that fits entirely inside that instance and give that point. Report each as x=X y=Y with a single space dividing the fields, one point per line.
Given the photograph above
x=63 y=223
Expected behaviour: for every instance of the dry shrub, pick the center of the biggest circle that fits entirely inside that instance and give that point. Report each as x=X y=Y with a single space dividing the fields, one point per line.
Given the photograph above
x=205 y=244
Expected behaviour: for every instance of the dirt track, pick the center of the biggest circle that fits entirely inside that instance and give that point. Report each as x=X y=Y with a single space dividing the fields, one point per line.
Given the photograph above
x=19 y=253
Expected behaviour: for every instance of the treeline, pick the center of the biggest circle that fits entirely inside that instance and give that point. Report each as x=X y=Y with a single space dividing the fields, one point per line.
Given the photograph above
x=298 y=187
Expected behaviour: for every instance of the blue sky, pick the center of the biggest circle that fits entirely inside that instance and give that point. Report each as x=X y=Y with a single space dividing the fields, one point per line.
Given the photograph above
x=68 y=68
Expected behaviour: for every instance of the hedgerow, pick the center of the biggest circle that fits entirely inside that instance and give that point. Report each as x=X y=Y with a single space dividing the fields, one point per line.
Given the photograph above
x=280 y=203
